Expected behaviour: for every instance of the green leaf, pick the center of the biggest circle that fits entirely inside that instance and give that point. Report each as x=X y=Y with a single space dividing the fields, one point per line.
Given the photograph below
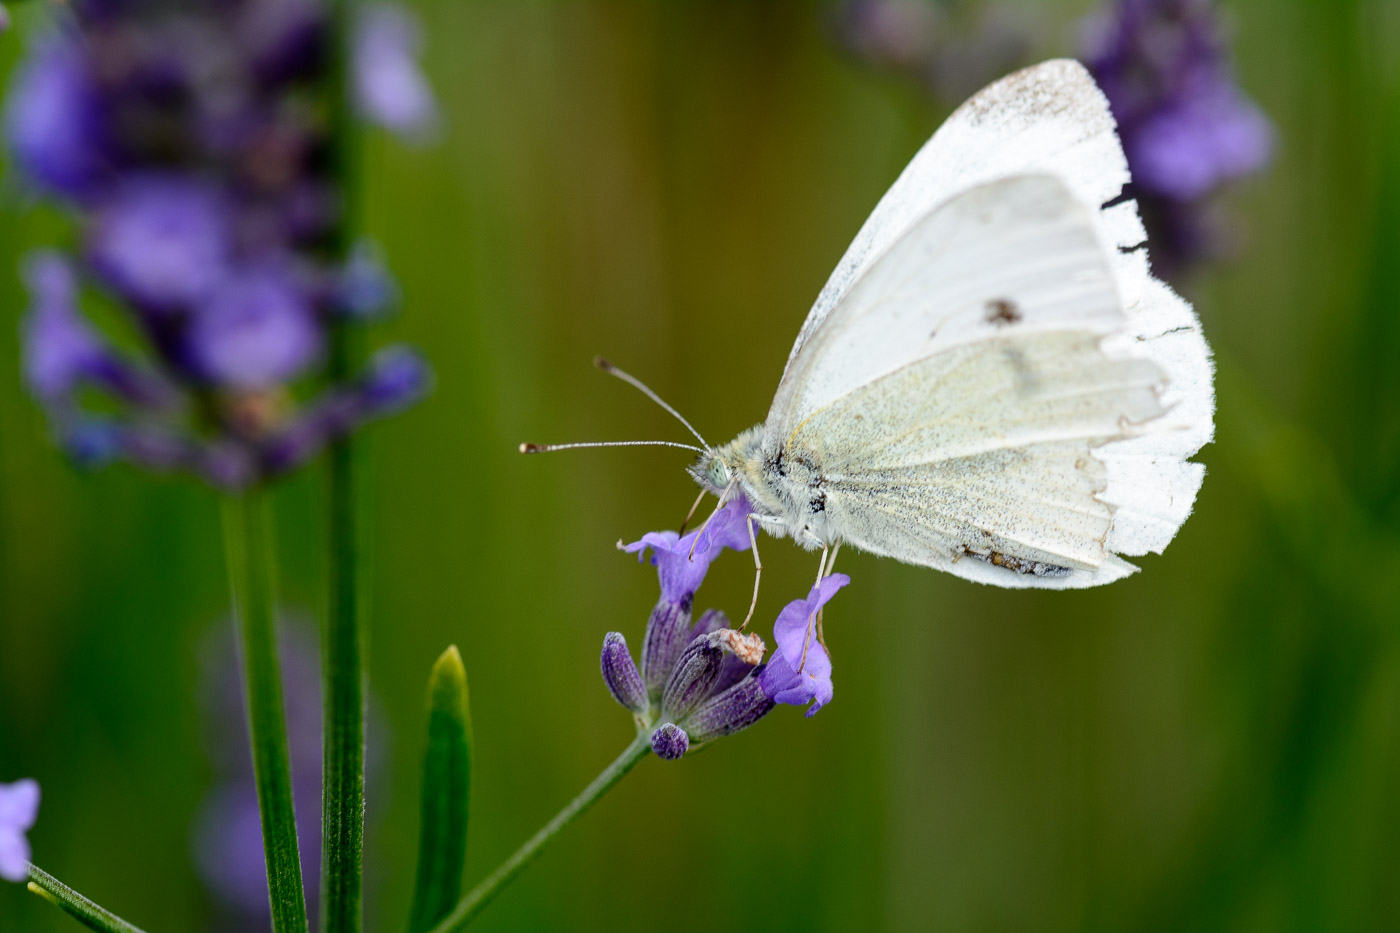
x=447 y=776
x=249 y=539
x=90 y=915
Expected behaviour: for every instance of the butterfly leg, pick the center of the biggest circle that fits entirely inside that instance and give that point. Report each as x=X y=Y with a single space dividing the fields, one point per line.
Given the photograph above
x=830 y=565
x=757 y=569
x=691 y=514
x=807 y=641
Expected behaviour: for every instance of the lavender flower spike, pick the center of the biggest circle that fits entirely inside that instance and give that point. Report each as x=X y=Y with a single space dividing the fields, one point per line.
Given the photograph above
x=19 y=807
x=800 y=672
x=190 y=141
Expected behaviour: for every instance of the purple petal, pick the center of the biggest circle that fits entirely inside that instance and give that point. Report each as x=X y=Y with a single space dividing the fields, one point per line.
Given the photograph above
x=60 y=349
x=19 y=804
x=364 y=287
x=51 y=118
x=800 y=671
x=256 y=331
x=396 y=377
x=682 y=563
x=14 y=855
x=162 y=241
x=389 y=85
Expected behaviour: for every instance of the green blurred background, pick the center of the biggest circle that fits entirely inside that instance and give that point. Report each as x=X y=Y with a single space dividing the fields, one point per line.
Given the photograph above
x=1213 y=744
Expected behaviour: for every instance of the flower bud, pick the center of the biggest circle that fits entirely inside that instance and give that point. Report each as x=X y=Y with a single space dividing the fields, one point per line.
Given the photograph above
x=669 y=742
x=737 y=708
x=621 y=675
x=668 y=631
x=694 y=676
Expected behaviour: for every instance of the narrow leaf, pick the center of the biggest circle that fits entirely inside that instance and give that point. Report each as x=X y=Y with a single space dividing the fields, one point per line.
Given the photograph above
x=447 y=767
x=90 y=915
x=249 y=539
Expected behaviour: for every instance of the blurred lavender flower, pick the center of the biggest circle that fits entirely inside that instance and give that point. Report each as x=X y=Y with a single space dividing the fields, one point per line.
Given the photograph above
x=190 y=141
x=389 y=85
x=227 y=831
x=704 y=681
x=1186 y=126
x=19 y=808
x=950 y=47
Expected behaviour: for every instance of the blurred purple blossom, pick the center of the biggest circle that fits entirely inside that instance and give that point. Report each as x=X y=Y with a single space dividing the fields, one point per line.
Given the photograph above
x=705 y=680
x=51 y=116
x=189 y=140
x=950 y=47
x=256 y=330
x=389 y=85
x=19 y=808
x=1186 y=126
x=226 y=830
x=162 y=241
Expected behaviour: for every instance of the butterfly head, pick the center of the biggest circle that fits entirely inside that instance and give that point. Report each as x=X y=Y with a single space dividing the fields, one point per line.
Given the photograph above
x=711 y=472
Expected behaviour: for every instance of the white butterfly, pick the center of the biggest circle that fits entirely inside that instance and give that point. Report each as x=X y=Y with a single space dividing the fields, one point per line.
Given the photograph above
x=991 y=383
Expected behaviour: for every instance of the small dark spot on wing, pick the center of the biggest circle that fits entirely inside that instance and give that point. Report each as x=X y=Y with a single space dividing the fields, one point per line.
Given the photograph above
x=1002 y=311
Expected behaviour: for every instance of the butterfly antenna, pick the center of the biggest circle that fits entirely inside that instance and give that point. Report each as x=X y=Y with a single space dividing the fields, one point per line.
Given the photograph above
x=549 y=448
x=636 y=383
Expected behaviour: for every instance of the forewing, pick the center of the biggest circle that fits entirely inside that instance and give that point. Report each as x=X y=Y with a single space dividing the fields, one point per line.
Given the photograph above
x=1016 y=255
x=1047 y=119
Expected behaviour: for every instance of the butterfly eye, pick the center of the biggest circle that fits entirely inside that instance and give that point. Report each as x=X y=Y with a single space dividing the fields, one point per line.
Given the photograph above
x=719 y=474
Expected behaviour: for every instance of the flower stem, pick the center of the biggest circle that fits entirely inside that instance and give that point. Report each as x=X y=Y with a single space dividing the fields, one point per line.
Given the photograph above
x=75 y=905
x=343 y=755
x=471 y=905
x=248 y=537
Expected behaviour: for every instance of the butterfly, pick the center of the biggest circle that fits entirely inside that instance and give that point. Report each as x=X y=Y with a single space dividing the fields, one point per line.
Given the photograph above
x=991 y=383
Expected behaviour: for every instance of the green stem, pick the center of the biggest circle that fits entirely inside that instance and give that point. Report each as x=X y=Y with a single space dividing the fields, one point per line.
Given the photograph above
x=90 y=915
x=249 y=539
x=471 y=905
x=343 y=758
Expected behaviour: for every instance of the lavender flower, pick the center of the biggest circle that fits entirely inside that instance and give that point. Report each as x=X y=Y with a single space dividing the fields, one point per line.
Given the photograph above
x=800 y=673
x=189 y=141
x=950 y=47
x=19 y=808
x=704 y=681
x=1187 y=128
x=389 y=86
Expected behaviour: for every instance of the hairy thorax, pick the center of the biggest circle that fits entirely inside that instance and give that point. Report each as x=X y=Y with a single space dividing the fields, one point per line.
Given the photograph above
x=785 y=491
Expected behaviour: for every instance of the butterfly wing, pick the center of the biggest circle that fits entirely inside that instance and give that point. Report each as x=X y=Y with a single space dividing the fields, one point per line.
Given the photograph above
x=955 y=404
x=1050 y=119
